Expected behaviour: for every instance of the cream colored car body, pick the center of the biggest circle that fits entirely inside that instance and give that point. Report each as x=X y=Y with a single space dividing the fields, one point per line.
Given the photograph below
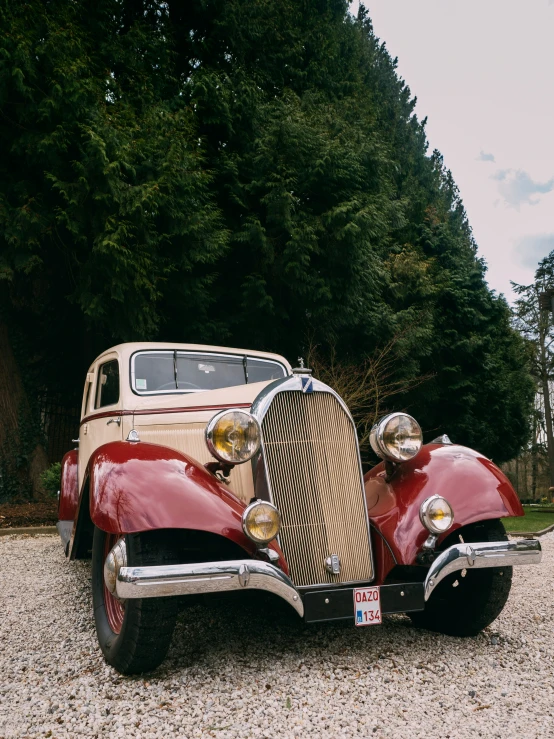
x=176 y=420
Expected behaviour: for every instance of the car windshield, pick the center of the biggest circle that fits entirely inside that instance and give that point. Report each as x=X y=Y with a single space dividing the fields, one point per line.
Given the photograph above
x=174 y=371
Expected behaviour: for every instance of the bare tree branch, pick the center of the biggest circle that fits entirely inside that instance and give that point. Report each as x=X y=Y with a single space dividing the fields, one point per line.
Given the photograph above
x=367 y=387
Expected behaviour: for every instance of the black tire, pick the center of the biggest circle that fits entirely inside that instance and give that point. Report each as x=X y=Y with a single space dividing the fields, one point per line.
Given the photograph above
x=147 y=624
x=477 y=600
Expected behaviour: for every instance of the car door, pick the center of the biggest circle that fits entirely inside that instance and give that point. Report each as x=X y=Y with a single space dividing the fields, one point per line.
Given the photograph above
x=101 y=422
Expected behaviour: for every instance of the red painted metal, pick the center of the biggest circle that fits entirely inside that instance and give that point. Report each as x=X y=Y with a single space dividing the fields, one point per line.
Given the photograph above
x=157 y=411
x=115 y=609
x=382 y=557
x=141 y=487
x=472 y=484
x=69 y=489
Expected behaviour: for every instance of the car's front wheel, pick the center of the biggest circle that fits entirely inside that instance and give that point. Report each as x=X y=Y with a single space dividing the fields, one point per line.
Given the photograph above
x=134 y=635
x=466 y=602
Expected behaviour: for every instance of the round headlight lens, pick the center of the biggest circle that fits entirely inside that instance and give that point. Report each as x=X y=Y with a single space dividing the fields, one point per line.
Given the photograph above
x=436 y=514
x=261 y=522
x=233 y=436
x=396 y=437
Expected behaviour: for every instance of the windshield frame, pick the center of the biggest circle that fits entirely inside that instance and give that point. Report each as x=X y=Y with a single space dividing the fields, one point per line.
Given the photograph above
x=230 y=355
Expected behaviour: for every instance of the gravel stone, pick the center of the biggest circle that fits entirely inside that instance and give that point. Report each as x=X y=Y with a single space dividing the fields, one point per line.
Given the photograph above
x=246 y=667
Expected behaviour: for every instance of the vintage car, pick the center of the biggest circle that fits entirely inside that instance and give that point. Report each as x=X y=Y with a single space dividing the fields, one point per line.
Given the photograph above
x=202 y=469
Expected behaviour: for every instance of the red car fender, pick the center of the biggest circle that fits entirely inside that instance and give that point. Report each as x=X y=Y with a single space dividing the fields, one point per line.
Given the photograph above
x=141 y=487
x=475 y=488
x=69 y=488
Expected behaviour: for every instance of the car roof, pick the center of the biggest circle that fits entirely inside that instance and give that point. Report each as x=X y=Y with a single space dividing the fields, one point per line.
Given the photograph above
x=127 y=349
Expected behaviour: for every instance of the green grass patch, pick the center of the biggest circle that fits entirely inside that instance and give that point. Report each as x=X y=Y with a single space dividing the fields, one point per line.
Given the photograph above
x=533 y=520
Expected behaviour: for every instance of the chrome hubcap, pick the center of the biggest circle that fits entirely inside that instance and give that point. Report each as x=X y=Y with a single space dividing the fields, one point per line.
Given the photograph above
x=116 y=559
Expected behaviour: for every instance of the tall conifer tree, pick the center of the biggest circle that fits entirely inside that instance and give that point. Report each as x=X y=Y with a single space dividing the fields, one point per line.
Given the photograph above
x=248 y=172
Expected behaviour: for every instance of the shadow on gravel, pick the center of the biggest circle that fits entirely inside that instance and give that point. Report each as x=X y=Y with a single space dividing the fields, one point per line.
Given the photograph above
x=258 y=631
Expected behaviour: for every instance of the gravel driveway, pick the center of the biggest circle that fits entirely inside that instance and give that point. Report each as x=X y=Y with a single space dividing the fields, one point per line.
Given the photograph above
x=236 y=671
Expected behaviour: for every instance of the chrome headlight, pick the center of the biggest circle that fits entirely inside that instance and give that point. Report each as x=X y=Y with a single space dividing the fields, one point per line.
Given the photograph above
x=261 y=522
x=436 y=514
x=233 y=436
x=396 y=437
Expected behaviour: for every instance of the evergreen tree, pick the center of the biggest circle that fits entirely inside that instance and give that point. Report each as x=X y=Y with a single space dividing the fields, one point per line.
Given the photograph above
x=105 y=196
x=246 y=172
x=534 y=322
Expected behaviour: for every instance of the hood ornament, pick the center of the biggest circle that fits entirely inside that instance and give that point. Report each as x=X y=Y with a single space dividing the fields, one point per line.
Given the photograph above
x=301 y=370
x=305 y=379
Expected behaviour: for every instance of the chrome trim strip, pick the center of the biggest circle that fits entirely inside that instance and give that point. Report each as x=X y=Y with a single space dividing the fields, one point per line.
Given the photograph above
x=263 y=400
x=207 y=577
x=259 y=408
x=480 y=555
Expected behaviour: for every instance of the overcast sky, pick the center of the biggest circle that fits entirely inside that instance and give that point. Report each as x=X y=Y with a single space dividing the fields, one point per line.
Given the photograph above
x=483 y=74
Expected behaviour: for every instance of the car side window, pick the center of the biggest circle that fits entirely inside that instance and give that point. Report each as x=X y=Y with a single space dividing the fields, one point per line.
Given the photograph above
x=260 y=370
x=107 y=384
x=86 y=399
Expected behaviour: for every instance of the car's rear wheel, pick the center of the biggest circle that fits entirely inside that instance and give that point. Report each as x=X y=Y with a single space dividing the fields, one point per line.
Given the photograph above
x=466 y=602
x=134 y=635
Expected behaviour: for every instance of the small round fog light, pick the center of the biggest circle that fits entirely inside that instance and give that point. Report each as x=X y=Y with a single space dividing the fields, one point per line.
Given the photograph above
x=436 y=514
x=261 y=522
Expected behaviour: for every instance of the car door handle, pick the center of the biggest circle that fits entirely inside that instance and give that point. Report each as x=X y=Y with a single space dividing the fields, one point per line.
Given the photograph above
x=115 y=420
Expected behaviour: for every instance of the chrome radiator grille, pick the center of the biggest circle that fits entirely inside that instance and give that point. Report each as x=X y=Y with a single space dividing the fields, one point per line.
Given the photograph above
x=312 y=462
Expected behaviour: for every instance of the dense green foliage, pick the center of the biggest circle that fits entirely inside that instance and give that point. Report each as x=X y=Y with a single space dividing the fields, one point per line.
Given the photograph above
x=534 y=321
x=51 y=479
x=245 y=172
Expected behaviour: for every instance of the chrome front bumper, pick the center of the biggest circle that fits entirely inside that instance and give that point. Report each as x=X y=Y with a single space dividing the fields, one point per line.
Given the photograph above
x=479 y=555
x=252 y=574
x=207 y=577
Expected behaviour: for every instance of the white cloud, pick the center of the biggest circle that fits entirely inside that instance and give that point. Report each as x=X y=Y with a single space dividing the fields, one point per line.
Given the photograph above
x=529 y=250
x=480 y=69
x=518 y=188
x=483 y=156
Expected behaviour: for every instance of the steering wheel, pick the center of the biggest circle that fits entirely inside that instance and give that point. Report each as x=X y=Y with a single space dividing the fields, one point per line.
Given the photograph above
x=171 y=386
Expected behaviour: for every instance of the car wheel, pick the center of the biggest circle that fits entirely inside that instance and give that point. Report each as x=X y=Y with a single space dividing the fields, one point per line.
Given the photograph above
x=134 y=635
x=467 y=601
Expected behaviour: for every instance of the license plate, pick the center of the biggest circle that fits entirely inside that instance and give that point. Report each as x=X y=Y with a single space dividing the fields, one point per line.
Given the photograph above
x=367 y=606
